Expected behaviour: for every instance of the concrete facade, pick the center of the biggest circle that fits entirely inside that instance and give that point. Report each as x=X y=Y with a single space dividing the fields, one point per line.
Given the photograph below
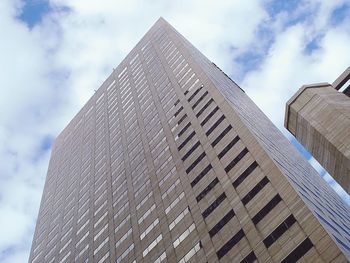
x=170 y=161
x=318 y=115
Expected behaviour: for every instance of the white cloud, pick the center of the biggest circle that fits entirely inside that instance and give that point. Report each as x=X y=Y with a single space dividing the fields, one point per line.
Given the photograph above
x=288 y=66
x=48 y=73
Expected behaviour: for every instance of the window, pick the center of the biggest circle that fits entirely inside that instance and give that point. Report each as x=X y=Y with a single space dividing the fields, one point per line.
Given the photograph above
x=83 y=226
x=266 y=209
x=207 y=189
x=194 y=147
x=195 y=93
x=204 y=107
x=171 y=188
x=178 y=111
x=230 y=244
x=179 y=218
x=279 y=231
x=199 y=100
x=125 y=253
x=183 y=236
x=228 y=147
x=190 y=168
x=298 y=252
x=174 y=203
x=250 y=258
x=149 y=229
x=100 y=219
x=255 y=190
x=182 y=118
x=224 y=132
x=236 y=160
x=201 y=175
x=101 y=245
x=123 y=238
x=152 y=245
x=244 y=175
x=160 y=258
x=82 y=238
x=184 y=129
x=104 y=257
x=145 y=215
x=221 y=223
x=214 y=205
x=65 y=257
x=186 y=140
x=216 y=124
x=191 y=253
x=122 y=223
x=211 y=114
x=100 y=232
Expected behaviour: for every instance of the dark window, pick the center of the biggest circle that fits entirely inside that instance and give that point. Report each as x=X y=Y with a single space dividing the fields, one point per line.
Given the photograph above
x=204 y=107
x=245 y=174
x=178 y=111
x=199 y=100
x=216 y=124
x=189 y=169
x=230 y=244
x=209 y=115
x=184 y=129
x=186 y=140
x=266 y=209
x=221 y=223
x=194 y=147
x=224 y=132
x=279 y=231
x=195 y=93
x=207 y=189
x=214 y=205
x=176 y=102
x=182 y=118
x=298 y=252
x=250 y=258
x=236 y=160
x=228 y=147
x=201 y=175
x=255 y=190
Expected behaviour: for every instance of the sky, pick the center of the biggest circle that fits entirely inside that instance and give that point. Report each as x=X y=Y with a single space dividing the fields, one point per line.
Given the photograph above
x=55 y=53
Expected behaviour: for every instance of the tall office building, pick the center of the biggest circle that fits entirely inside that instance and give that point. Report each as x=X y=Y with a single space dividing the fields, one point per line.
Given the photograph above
x=170 y=161
x=318 y=115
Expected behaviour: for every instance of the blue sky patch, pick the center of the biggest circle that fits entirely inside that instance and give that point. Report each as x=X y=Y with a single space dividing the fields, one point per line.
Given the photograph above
x=301 y=149
x=339 y=14
x=275 y=7
x=249 y=60
x=313 y=44
x=33 y=11
x=296 y=14
x=46 y=143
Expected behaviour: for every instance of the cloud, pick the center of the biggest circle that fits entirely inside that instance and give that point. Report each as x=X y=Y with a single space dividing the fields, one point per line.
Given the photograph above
x=288 y=64
x=50 y=68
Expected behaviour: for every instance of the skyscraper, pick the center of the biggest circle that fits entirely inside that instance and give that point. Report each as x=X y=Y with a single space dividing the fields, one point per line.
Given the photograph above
x=170 y=161
x=318 y=115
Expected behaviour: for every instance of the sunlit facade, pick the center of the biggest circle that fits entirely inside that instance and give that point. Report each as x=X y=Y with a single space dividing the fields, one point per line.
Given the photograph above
x=170 y=161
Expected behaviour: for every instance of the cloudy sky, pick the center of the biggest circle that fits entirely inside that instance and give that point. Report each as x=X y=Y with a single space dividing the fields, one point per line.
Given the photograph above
x=55 y=53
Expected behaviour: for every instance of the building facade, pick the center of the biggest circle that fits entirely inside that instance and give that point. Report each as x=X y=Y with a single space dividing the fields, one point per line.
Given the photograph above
x=170 y=161
x=318 y=115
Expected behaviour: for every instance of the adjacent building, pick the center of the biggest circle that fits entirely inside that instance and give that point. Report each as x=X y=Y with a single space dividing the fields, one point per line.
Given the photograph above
x=318 y=115
x=170 y=161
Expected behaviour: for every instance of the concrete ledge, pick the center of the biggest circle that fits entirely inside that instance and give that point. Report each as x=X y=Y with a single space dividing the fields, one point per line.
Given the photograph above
x=297 y=94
